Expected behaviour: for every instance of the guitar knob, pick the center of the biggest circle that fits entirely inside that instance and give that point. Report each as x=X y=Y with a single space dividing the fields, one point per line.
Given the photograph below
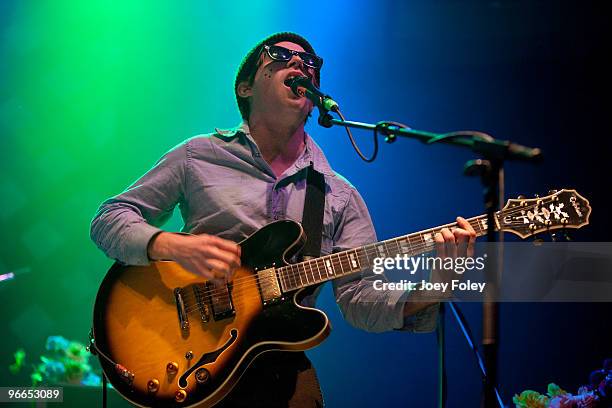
x=532 y=227
x=153 y=385
x=555 y=199
x=547 y=223
x=180 y=396
x=202 y=375
x=521 y=197
x=172 y=368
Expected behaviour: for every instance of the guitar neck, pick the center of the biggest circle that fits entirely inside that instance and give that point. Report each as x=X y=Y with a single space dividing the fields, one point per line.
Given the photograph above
x=336 y=265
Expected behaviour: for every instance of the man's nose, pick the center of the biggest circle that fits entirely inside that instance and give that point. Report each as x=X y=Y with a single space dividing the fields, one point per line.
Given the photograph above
x=296 y=62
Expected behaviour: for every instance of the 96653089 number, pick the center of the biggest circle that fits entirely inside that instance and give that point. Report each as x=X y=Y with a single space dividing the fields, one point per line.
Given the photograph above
x=29 y=394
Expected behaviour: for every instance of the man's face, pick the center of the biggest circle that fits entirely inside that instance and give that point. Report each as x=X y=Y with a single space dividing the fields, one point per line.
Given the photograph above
x=270 y=95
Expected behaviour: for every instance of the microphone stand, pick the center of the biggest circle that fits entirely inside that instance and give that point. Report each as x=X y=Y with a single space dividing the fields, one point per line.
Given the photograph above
x=490 y=170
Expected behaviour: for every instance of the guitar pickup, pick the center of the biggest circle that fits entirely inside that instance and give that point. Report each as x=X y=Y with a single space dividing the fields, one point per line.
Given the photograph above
x=201 y=300
x=221 y=300
x=268 y=285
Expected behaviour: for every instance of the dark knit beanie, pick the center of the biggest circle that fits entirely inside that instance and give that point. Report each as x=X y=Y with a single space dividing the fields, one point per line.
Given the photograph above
x=248 y=66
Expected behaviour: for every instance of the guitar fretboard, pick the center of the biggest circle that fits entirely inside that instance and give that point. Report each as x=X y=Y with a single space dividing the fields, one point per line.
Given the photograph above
x=315 y=271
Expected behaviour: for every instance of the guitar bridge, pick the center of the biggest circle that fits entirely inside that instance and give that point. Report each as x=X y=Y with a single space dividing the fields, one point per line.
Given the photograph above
x=200 y=294
x=180 y=307
x=268 y=286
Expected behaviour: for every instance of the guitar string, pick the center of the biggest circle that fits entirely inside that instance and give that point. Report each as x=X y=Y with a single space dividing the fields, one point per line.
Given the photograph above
x=420 y=246
x=405 y=238
x=291 y=276
x=475 y=219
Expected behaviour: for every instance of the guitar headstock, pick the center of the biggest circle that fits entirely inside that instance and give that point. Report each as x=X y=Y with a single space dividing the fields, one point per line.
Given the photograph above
x=528 y=216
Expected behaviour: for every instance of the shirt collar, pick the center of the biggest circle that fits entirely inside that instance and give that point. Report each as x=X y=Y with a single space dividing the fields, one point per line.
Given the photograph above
x=312 y=152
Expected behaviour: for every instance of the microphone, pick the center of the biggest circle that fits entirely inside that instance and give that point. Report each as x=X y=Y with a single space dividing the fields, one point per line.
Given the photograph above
x=303 y=86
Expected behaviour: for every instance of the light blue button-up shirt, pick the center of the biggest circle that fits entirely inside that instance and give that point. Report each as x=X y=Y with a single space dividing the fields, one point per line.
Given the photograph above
x=224 y=187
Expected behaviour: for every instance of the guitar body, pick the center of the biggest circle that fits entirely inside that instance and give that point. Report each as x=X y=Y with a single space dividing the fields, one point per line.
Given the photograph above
x=158 y=348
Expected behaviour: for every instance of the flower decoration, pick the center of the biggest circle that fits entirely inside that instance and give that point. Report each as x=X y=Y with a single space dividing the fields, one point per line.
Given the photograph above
x=64 y=362
x=598 y=394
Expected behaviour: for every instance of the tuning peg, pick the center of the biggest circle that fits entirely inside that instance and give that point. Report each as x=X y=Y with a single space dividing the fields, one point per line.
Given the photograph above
x=554 y=237
x=552 y=191
x=521 y=197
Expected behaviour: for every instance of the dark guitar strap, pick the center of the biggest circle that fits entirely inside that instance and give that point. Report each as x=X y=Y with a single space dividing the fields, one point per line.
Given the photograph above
x=312 y=218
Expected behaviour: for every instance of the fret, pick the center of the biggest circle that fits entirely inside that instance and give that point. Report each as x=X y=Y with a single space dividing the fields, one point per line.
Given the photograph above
x=365 y=252
x=313 y=271
x=286 y=277
x=404 y=246
x=318 y=263
x=396 y=242
x=340 y=262
x=476 y=226
x=294 y=279
x=282 y=280
x=306 y=277
x=427 y=241
x=354 y=260
x=386 y=244
x=299 y=276
x=347 y=262
x=361 y=253
x=413 y=241
x=314 y=278
x=483 y=223
x=381 y=251
x=329 y=267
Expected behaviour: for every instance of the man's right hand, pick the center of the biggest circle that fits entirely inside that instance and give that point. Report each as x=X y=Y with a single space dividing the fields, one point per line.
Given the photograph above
x=206 y=255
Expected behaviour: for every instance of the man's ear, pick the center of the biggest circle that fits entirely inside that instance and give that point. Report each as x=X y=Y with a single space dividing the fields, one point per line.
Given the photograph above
x=244 y=89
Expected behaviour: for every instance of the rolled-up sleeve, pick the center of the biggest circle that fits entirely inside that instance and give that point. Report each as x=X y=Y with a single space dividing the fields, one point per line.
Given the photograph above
x=361 y=304
x=124 y=224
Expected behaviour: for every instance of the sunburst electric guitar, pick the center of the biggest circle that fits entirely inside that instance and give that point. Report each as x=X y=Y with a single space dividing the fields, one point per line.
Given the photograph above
x=166 y=337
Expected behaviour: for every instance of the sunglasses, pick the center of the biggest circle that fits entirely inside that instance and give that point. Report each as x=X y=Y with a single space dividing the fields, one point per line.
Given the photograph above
x=278 y=53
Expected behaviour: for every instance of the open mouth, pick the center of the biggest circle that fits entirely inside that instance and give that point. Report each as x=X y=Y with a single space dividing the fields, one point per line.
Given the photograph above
x=290 y=76
x=287 y=81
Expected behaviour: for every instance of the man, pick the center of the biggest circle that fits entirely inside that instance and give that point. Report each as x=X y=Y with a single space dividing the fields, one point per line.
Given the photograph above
x=232 y=182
